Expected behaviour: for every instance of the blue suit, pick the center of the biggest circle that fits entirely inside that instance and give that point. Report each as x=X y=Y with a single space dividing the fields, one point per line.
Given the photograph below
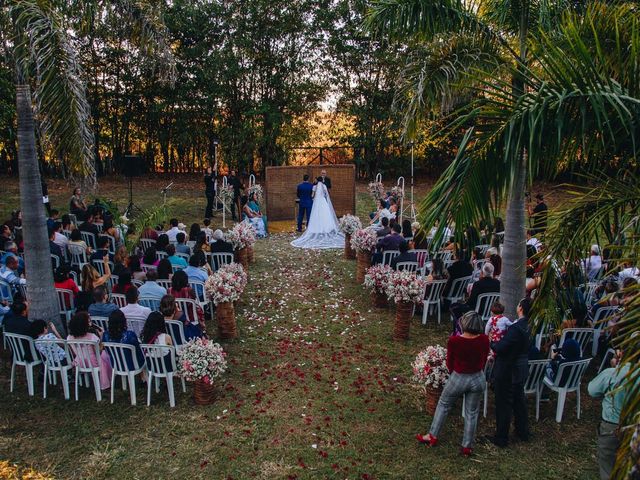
x=306 y=202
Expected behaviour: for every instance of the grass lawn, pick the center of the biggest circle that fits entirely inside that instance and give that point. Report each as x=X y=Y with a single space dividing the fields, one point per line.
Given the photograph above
x=316 y=389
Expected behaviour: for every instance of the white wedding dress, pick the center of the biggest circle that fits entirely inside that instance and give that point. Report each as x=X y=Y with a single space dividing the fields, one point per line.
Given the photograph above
x=322 y=231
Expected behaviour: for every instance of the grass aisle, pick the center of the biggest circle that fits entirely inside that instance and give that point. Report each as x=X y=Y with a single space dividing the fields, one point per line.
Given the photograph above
x=316 y=389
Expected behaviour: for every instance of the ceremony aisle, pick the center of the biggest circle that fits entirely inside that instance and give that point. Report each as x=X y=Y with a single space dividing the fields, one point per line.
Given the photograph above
x=316 y=388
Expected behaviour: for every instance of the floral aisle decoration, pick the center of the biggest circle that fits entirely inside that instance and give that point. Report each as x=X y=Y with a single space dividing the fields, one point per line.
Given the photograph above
x=202 y=361
x=226 y=194
x=377 y=279
x=363 y=241
x=430 y=372
x=397 y=192
x=224 y=288
x=348 y=225
x=242 y=236
x=405 y=289
x=376 y=189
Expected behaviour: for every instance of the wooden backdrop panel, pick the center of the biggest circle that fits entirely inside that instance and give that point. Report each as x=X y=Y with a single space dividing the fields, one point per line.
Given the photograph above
x=281 y=184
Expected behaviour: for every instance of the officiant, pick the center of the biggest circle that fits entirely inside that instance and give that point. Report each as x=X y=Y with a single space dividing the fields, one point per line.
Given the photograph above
x=326 y=180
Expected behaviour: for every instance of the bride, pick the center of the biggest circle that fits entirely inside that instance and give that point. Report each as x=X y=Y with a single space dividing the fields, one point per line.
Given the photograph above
x=322 y=230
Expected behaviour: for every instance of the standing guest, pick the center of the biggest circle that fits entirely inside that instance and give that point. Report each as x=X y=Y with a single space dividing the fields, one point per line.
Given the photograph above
x=170 y=311
x=101 y=307
x=117 y=332
x=175 y=260
x=606 y=386
x=180 y=289
x=150 y=288
x=207 y=229
x=194 y=231
x=405 y=255
x=133 y=308
x=593 y=263
x=539 y=216
x=79 y=327
x=510 y=372
x=124 y=283
x=182 y=246
x=236 y=183
x=466 y=357
x=305 y=201
x=172 y=232
x=219 y=245
x=209 y=192
x=76 y=204
x=165 y=270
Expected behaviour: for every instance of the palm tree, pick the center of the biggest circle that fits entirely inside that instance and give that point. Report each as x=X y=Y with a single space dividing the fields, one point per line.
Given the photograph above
x=44 y=54
x=545 y=100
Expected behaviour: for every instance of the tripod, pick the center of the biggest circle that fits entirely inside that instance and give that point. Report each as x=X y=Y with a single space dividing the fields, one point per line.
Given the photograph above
x=132 y=208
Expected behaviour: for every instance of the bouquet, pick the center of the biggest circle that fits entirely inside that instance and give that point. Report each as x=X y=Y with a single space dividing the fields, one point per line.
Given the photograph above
x=256 y=191
x=226 y=194
x=201 y=359
x=349 y=224
x=241 y=235
x=226 y=284
x=364 y=240
x=376 y=189
x=405 y=286
x=397 y=192
x=377 y=277
x=430 y=367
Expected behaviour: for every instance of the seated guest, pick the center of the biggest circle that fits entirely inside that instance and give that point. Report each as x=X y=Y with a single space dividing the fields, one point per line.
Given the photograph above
x=150 y=258
x=102 y=250
x=62 y=279
x=460 y=268
x=135 y=268
x=568 y=352
x=9 y=273
x=79 y=329
x=219 y=245
x=76 y=204
x=149 y=233
x=120 y=260
x=165 y=270
x=173 y=231
x=533 y=241
x=629 y=270
x=150 y=288
x=101 y=307
x=407 y=231
x=496 y=261
x=170 y=311
x=67 y=224
x=486 y=284
x=193 y=271
x=385 y=230
x=118 y=333
x=90 y=279
x=162 y=242
x=180 y=289
x=11 y=250
x=89 y=225
x=175 y=260
x=405 y=255
x=194 y=231
x=109 y=229
x=124 y=283
x=390 y=242
x=437 y=270
x=76 y=239
x=154 y=331
x=5 y=234
x=53 y=218
x=17 y=320
x=52 y=352
x=182 y=246
x=207 y=229
x=382 y=212
x=202 y=245
x=54 y=248
x=593 y=263
x=59 y=239
x=133 y=309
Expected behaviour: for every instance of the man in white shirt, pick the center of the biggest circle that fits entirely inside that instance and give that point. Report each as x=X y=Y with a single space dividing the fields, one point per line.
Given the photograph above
x=150 y=289
x=629 y=271
x=533 y=241
x=59 y=239
x=173 y=231
x=133 y=309
x=593 y=263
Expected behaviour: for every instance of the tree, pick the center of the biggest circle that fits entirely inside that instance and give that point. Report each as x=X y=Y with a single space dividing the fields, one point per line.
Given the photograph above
x=551 y=103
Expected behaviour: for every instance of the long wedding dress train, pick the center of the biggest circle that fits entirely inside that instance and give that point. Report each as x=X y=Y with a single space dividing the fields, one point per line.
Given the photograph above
x=322 y=231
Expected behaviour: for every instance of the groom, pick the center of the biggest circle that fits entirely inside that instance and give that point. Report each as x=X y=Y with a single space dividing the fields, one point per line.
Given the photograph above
x=306 y=202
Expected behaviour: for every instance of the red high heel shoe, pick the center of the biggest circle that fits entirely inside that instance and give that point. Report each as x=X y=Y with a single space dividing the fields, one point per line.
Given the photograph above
x=427 y=439
x=466 y=451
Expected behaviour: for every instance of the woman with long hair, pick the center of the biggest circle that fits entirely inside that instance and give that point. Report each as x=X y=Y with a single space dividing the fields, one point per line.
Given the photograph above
x=194 y=231
x=80 y=329
x=124 y=282
x=180 y=289
x=117 y=332
x=170 y=310
x=162 y=242
x=149 y=257
x=165 y=270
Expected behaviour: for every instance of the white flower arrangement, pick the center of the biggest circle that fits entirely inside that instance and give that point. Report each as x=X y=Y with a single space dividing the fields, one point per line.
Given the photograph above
x=397 y=192
x=201 y=359
x=364 y=240
x=348 y=224
x=376 y=189
x=226 y=193
x=242 y=235
x=226 y=284
x=430 y=367
x=377 y=278
x=257 y=192
x=405 y=286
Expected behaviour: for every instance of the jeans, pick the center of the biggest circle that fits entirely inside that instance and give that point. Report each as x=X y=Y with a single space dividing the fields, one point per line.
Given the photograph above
x=607 y=447
x=472 y=386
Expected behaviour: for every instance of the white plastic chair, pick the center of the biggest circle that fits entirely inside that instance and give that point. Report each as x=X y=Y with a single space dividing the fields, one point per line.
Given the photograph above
x=443 y=255
x=21 y=346
x=119 y=299
x=184 y=256
x=150 y=302
x=157 y=357
x=458 y=287
x=166 y=284
x=89 y=238
x=6 y=294
x=483 y=248
x=55 y=260
x=608 y=355
x=189 y=307
x=422 y=255
x=112 y=282
x=84 y=352
x=220 y=258
x=484 y=303
x=52 y=364
x=160 y=255
x=599 y=322
x=66 y=303
x=432 y=298
x=408 y=266
x=533 y=385
x=175 y=329
x=581 y=335
x=145 y=268
x=99 y=266
x=589 y=292
x=147 y=243
x=118 y=353
x=389 y=255
x=570 y=374
x=102 y=322
x=78 y=255
x=137 y=283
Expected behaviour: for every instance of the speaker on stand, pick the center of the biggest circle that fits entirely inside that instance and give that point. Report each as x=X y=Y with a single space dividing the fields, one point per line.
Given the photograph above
x=132 y=166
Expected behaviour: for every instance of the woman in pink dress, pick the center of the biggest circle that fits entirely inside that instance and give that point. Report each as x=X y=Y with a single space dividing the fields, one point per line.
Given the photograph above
x=79 y=327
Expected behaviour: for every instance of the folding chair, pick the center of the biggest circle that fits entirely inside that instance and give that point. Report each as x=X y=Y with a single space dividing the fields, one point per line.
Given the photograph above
x=78 y=256
x=581 y=335
x=409 y=266
x=119 y=299
x=90 y=239
x=147 y=243
x=458 y=287
x=175 y=329
x=150 y=302
x=484 y=303
x=66 y=303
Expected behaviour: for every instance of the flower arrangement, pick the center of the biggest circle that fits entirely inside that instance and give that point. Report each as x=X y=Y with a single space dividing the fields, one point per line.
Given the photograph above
x=256 y=191
x=430 y=367
x=201 y=359
x=405 y=286
x=226 y=194
x=226 y=284
x=377 y=278
x=376 y=189
x=397 y=192
x=364 y=240
x=241 y=235
x=349 y=224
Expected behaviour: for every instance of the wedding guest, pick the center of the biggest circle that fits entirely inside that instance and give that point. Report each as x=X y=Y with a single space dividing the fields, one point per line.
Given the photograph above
x=62 y=280
x=207 y=229
x=385 y=229
x=52 y=352
x=466 y=357
x=252 y=217
x=101 y=307
x=194 y=231
x=405 y=255
x=136 y=269
x=438 y=271
x=173 y=231
x=194 y=270
x=407 y=231
x=133 y=309
x=460 y=268
x=486 y=284
x=76 y=239
x=202 y=244
x=59 y=239
x=150 y=258
x=109 y=229
x=382 y=212
x=120 y=260
x=182 y=246
x=149 y=233
x=219 y=245
x=165 y=270
x=124 y=283
x=175 y=260
x=150 y=288
x=497 y=325
x=54 y=248
x=180 y=289
x=90 y=279
x=154 y=331
x=102 y=250
x=255 y=208
x=593 y=264
x=117 y=332
x=170 y=311
x=9 y=273
x=162 y=242
x=79 y=330
x=17 y=320
x=568 y=352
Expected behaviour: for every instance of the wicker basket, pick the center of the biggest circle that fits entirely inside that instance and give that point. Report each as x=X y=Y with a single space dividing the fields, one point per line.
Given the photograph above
x=349 y=253
x=432 y=397
x=379 y=299
x=251 y=256
x=203 y=393
x=404 y=312
x=363 y=263
x=226 y=317
x=242 y=257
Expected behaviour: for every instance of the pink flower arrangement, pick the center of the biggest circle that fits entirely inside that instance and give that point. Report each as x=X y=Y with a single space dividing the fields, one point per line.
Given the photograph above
x=348 y=224
x=242 y=235
x=364 y=240
x=201 y=359
x=226 y=284
x=430 y=367
x=377 y=278
x=397 y=192
x=405 y=286
x=376 y=189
